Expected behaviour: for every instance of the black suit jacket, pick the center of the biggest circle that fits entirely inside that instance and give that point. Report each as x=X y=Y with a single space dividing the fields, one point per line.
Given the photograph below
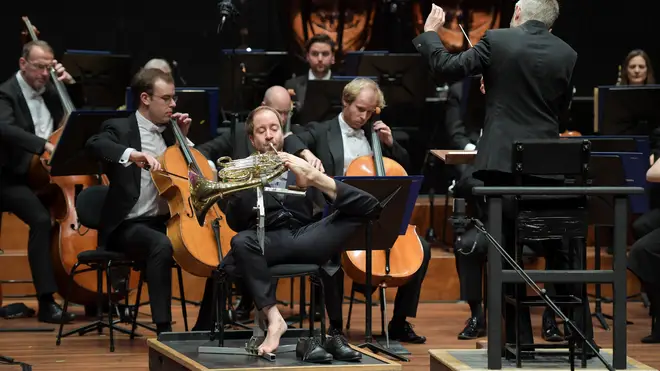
x=19 y=142
x=324 y=139
x=108 y=146
x=527 y=74
x=459 y=133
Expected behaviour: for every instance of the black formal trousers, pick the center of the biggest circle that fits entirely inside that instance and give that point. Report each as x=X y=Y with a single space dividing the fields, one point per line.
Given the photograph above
x=644 y=256
x=557 y=255
x=144 y=239
x=314 y=243
x=16 y=197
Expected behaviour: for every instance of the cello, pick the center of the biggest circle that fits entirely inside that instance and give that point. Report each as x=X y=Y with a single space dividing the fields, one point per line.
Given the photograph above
x=195 y=246
x=407 y=254
x=68 y=239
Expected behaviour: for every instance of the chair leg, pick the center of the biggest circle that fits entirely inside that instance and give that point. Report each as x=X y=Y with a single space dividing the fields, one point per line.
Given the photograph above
x=318 y=282
x=445 y=217
x=108 y=276
x=312 y=305
x=66 y=302
x=183 y=297
x=350 y=306
x=137 y=306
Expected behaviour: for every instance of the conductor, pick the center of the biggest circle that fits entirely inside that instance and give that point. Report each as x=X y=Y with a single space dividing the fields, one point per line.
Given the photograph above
x=526 y=75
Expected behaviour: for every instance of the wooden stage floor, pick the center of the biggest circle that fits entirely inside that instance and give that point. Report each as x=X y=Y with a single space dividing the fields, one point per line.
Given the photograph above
x=439 y=322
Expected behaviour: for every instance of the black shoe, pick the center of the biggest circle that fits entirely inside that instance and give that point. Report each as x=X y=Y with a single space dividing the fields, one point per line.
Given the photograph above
x=51 y=312
x=310 y=350
x=550 y=332
x=473 y=329
x=654 y=338
x=405 y=333
x=243 y=309
x=337 y=345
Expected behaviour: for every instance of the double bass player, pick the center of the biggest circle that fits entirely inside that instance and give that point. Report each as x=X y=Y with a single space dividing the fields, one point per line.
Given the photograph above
x=29 y=113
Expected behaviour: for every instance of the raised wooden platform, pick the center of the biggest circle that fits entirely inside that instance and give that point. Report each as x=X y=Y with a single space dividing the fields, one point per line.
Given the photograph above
x=177 y=351
x=477 y=360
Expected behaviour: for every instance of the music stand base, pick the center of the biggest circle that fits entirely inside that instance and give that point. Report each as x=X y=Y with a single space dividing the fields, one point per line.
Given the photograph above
x=27 y=329
x=375 y=348
x=244 y=352
x=96 y=325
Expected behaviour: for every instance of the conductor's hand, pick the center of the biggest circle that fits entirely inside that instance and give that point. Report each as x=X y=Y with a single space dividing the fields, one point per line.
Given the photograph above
x=62 y=75
x=313 y=160
x=306 y=174
x=184 y=120
x=144 y=161
x=384 y=133
x=49 y=148
x=435 y=20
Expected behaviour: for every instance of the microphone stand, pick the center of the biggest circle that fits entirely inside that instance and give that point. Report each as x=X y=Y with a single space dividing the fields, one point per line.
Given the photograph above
x=539 y=291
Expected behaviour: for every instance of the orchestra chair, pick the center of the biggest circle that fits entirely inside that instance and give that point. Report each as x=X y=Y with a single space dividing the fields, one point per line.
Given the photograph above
x=88 y=204
x=222 y=294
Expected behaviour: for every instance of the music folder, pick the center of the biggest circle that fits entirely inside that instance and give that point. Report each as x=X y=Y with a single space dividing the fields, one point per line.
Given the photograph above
x=70 y=157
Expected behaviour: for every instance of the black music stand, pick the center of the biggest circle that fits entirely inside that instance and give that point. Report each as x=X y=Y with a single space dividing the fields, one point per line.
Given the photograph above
x=323 y=99
x=102 y=75
x=628 y=110
x=397 y=196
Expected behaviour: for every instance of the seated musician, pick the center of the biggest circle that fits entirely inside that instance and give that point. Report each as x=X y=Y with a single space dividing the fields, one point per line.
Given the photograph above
x=292 y=235
x=30 y=112
x=645 y=255
x=337 y=142
x=637 y=69
x=236 y=147
x=134 y=215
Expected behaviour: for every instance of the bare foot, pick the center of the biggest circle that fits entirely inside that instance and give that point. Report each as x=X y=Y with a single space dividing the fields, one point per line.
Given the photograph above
x=276 y=329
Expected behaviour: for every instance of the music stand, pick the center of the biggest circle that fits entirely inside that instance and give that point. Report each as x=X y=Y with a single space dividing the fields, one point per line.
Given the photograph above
x=323 y=99
x=397 y=195
x=102 y=76
x=628 y=110
x=401 y=76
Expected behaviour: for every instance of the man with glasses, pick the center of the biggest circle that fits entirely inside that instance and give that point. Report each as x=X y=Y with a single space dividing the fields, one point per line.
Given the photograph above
x=133 y=216
x=30 y=111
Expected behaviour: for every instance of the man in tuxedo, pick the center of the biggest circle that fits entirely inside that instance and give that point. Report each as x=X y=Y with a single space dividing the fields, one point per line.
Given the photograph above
x=320 y=55
x=30 y=111
x=133 y=214
x=337 y=142
x=524 y=100
x=292 y=233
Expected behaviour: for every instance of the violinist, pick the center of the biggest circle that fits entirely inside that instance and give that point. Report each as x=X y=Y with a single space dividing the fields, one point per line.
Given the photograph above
x=29 y=113
x=521 y=103
x=339 y=141
x=134 y=215
x=292 y=233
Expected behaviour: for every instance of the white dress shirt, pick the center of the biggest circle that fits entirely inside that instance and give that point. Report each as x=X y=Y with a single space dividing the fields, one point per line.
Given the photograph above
x=355 y=142
x=41 y=117
x=149 y=203
x=311 y=75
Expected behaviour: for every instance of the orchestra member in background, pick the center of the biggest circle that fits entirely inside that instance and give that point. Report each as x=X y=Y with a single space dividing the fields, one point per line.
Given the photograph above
x=521 y=103
x=159 y=64
x=320 y=55
x=236 y=147
x=134 y=215
x=293 y=234
x=30 y=111
x=472 y=249
x=637 y=69
x=644 y=256
x=339 y=141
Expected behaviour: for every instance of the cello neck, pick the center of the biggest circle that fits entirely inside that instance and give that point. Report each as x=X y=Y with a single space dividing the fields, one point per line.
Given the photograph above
x=62 y=93
x=185 y=149
x=378 y=153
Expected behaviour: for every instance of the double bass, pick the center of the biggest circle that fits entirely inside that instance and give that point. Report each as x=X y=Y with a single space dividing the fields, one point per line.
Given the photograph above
x=195 y=246
x=60 y=192
x=407 y=253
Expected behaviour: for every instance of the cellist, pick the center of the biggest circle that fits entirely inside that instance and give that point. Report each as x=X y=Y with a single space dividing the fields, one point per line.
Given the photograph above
x=134 y=215
x=29 y=112
x=339 y=141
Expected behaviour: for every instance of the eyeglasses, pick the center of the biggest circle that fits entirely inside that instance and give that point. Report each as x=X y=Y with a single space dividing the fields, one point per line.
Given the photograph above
x=167 y=98
x=38 y=67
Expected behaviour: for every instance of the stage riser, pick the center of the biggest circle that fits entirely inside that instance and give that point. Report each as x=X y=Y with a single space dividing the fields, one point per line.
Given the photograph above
x=441 y=282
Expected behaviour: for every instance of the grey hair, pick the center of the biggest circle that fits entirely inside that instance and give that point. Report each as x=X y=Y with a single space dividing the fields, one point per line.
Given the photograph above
x=546 y=11
x=159 y=64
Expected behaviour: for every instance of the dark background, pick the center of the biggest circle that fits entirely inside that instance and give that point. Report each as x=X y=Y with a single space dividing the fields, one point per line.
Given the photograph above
x=601 y=32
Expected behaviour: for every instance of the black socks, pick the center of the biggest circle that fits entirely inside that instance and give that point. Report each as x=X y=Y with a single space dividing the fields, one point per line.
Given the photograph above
x=476 y=310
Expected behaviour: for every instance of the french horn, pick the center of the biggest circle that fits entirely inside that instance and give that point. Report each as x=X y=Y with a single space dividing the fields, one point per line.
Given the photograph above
x=254 y=171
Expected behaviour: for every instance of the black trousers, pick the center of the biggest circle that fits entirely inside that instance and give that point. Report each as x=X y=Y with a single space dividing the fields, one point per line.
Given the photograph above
x=557 y=257
x=644 y=255
x=144 y=239
x=19 y=199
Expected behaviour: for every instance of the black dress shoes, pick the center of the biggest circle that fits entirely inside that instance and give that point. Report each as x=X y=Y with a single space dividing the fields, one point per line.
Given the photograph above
x=474 y=328
x=404 y=332
x=337 y=345
x=51 y=312
x=550 y=332
x=654 y=338
x=310 y=350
